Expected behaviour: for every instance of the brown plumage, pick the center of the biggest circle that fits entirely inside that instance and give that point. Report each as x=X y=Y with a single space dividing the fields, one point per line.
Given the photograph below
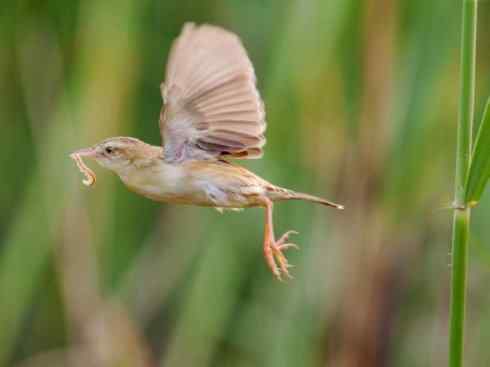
x=212 y=110
x=212 y=107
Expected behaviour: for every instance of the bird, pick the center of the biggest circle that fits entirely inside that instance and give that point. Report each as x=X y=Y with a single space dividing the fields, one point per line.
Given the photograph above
x=212 y=113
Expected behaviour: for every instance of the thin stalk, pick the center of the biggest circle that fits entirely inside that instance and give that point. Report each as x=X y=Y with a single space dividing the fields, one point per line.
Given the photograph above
x=461 y=221
x=461 y=226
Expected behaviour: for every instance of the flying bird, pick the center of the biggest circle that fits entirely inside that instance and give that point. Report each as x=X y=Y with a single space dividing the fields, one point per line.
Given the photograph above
x=212 y=112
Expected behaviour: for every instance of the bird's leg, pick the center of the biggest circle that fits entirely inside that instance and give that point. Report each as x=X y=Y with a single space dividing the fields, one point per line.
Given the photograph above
x=273 y=249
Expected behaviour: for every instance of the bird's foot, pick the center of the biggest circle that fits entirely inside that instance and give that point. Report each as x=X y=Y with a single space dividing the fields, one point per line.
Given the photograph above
x=275 y=258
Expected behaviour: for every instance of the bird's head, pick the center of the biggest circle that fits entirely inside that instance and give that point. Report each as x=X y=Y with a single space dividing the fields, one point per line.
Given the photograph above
x=118 y=154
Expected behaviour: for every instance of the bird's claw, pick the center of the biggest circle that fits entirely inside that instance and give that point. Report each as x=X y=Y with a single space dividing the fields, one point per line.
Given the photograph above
x=277 y=260
x=285 y=237
x=288 y=245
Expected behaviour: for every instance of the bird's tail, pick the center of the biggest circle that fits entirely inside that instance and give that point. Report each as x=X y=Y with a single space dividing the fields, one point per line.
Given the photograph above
x=279 y=193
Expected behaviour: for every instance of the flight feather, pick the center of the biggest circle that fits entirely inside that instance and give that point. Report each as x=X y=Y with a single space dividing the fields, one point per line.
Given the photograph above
x=211 y=104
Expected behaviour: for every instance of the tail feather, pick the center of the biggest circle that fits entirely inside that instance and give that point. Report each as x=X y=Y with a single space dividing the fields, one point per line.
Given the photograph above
x=314 y=199
x=279 y=193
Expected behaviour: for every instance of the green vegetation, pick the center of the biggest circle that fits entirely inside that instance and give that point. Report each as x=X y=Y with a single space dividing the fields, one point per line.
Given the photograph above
x=362 y=106
x=472 y=172
x=480 y=161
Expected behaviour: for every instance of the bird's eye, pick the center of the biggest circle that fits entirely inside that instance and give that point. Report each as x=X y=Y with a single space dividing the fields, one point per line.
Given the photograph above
x=109 y=150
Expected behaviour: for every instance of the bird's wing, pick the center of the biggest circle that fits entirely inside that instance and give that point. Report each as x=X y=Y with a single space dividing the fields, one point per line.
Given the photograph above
x=211 y=105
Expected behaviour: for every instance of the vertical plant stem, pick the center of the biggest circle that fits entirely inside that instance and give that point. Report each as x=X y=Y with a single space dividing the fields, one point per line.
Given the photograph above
x=458 y=286
x=461 y=221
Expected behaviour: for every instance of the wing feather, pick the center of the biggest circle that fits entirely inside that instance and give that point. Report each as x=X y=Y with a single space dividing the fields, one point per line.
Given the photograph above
x=211 y=104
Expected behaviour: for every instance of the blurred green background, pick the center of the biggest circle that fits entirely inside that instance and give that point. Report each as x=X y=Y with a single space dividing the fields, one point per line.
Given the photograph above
x=361 y=101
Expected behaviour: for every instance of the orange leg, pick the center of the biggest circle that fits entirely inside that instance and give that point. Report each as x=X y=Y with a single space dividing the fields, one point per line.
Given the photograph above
x=273 y=249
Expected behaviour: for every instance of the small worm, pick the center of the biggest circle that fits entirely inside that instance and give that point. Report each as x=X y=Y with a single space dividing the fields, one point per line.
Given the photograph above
x=90 y=177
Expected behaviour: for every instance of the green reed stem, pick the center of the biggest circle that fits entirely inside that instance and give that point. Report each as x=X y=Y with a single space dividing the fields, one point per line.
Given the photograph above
x=461 y=221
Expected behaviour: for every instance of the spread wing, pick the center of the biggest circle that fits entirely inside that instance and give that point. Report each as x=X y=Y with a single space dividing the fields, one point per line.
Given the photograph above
x=211 y=105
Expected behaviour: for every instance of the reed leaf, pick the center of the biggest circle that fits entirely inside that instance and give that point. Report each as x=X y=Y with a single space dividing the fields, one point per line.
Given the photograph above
x=480 y=161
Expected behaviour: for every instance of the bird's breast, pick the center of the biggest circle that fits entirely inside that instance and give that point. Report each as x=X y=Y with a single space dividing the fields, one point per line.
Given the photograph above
x=160 y=182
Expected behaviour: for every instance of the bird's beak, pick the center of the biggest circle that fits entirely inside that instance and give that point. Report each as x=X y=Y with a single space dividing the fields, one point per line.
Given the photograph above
x=85 y=152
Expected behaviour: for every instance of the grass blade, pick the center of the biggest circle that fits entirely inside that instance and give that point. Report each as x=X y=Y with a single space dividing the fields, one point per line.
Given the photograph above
x=461 y=224
x=480 y=161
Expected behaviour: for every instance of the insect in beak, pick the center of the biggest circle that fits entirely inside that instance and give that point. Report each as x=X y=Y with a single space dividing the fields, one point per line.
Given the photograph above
x=90 y=177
